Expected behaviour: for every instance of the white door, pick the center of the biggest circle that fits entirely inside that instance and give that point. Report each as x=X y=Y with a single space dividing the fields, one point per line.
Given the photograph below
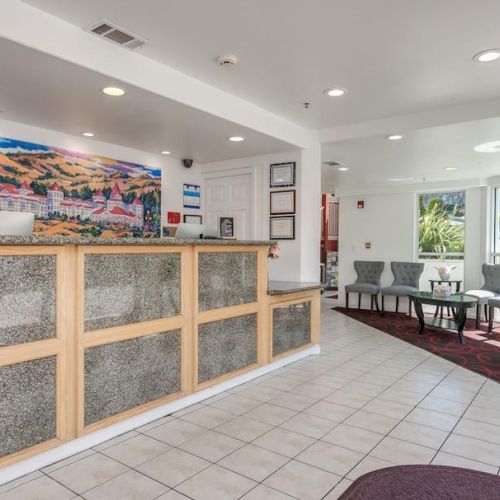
x=230 y=196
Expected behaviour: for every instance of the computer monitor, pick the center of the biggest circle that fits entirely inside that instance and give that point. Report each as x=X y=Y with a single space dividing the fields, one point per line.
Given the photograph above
x=195 y=231
x=16 y=223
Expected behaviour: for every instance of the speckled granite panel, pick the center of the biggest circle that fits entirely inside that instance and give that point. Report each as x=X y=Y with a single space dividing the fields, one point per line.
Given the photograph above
x=226 y=279
x=226 y=345
x=130 y=373
x=27 y=298
x=121 y=289
x=27 y=404
x=68 y=240
x=291 y=327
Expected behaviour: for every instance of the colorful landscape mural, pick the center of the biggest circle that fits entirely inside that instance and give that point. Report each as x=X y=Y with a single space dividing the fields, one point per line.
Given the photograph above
x=77 y=194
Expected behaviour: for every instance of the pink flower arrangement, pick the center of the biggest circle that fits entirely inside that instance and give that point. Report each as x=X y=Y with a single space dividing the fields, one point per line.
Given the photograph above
x=274 y=252
x=442 y=290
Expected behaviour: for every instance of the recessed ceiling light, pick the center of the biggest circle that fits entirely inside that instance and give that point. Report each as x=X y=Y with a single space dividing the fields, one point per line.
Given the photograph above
x=487 y=55
x=335 y=92
x=236 y=138
x=450 y=169
x=395 y=137
x=114 y=91
x=488 y=147
x=401 y=179
x=165 y=152
x=343 y=169
x=88 y=134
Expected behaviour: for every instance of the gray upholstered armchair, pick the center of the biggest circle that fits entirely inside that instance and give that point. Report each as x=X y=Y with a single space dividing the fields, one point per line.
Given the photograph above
x=489 y=290
x=368 y=281
x=406 y=280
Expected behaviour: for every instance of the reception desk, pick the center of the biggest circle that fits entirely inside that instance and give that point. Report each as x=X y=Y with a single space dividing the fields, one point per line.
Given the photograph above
x=94 y=332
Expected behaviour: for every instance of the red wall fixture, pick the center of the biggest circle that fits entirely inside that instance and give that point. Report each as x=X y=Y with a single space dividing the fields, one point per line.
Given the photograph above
x=361 y=204
x=173 y=217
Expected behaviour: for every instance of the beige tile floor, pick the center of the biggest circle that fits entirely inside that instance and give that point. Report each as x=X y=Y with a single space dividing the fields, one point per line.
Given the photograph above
x=305 y=431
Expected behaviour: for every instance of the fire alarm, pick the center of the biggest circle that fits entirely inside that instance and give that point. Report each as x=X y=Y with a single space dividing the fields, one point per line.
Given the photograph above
x=368 y=245
x=361 y=204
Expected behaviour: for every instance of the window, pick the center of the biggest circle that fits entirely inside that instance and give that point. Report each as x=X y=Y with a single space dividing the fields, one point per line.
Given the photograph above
x=441 y=233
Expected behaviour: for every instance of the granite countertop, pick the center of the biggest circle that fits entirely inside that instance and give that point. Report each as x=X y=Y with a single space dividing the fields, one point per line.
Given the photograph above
x=66 y=240
x=284 y=287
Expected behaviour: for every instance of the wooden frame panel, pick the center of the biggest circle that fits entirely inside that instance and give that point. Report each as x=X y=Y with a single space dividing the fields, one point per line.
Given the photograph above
x=71 y=340
x=312 y=296
x=116 y=334
x=259 y=307
x=61 y=347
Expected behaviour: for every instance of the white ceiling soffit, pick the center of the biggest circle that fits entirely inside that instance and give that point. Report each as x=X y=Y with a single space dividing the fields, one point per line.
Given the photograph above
x=421 y=157
x=395 y=57
x=48 y=92
x=48 y=33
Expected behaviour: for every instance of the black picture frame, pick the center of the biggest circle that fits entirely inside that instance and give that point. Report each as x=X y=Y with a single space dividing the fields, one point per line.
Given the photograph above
x=197 y=219
x=274 y=220
x=226 y=227
x=274 y=167
x=273 y=194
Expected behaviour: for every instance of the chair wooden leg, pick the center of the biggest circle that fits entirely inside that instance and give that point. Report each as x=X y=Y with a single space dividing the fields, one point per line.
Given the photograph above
x=490 y=318
x=359 y=301
x=486 y=312
x=371 y=303
x=397 y=303
x=409 y=306
x=347 y=300
x=478 y=317
x=376 y=303
x=383 y=305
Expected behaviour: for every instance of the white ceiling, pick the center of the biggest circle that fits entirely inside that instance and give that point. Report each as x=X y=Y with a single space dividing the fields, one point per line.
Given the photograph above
x=422 y=154
x=45 y=91
x=394 y=56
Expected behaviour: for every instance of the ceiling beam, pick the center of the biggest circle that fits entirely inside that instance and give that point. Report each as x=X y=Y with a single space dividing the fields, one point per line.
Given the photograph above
x=471 y=111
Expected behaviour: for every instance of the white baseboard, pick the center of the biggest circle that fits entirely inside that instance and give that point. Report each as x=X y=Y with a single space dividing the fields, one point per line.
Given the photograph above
x=90 y=440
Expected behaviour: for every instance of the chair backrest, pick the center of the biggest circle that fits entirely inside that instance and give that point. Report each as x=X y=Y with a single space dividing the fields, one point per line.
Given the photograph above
x=368 y=271
x=407 y=273
x=491 y=273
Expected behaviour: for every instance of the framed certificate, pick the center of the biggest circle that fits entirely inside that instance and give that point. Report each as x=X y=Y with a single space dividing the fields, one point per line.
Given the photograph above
x=282 y=228
x=226 y=225
x=282 y=175
x=282 y=202
x=192 y=219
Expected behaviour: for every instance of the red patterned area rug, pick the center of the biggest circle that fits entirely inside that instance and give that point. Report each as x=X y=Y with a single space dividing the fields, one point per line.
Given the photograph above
x=480 y=353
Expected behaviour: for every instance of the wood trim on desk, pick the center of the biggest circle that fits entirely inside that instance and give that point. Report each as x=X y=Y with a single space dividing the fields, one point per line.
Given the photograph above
x=226 y=376
x=29 y=452
x=114 y=419
x=31 y=351
x=131 y=331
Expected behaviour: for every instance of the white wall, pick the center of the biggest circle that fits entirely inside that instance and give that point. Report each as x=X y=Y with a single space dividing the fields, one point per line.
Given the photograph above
x=389 y=222
x=173 y=172
x=299 y=258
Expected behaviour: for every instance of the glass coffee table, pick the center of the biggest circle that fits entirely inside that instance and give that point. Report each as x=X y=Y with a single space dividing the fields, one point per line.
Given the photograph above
x=458 y=302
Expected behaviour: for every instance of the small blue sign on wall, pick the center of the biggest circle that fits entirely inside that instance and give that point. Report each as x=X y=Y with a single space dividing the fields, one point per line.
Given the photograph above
x=191 y=196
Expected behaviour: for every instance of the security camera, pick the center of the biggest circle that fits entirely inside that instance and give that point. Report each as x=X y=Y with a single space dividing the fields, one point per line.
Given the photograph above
x=187 y=162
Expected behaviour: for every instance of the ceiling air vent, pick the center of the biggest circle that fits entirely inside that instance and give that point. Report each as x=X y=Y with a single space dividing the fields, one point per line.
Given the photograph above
x=115 y=34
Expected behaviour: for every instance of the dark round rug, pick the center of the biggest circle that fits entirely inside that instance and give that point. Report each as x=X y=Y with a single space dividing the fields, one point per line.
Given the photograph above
x=424 y=482
x=480 y=353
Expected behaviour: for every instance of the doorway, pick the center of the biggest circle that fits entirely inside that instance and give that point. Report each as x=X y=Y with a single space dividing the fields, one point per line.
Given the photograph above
x=230 y=196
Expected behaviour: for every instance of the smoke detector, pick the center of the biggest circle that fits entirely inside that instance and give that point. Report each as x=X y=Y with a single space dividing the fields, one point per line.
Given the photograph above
x=115 y=34
x=333 y=164
x=228 y=60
